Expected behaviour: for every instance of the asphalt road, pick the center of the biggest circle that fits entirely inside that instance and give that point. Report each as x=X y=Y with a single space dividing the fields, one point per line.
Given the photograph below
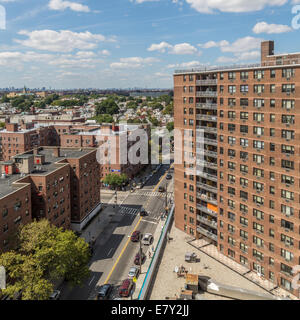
x=114 y=252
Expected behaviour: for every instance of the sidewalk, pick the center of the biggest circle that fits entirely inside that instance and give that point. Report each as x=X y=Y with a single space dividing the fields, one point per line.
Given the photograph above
x=147 y=263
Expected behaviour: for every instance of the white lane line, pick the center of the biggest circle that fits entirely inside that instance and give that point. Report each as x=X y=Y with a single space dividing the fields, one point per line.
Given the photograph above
x=92 y=280
x=150 y=221
x=110 y=251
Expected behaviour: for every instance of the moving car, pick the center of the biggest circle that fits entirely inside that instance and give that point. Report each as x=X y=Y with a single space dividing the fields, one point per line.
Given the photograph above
x=148 y=239
x=161 y=189
x=137 y=258
x=136 y=236
x=143 y=213
x=126 y=288
x=133 y=272
x=104 y=291
x=55 y=295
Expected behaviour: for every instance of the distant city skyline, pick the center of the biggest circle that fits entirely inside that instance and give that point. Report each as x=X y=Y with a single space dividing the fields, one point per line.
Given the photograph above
x=134 y=43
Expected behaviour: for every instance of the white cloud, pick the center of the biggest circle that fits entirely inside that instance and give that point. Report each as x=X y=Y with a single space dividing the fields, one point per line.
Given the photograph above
x=190 y=64
x=62 y=5
x=240 y=56
x=105 y=52
x=133 y=62
x=16 y=57
x=212 y=44
x=264 y=27
x=180 y=48
x=210 y=6
x=161 y=47
x=241 y=45
x=60 y=41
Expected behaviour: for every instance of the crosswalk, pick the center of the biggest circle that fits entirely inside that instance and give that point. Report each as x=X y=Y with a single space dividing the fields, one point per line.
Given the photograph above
x=149 y=194
x=128 y=210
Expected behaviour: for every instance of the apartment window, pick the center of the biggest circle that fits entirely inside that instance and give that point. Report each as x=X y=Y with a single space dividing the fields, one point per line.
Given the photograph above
x=231 y=216
x=287 y=240
x=259 y=74
x=287 y=255
x=258 y=144
x=287 y=149
x=244 y=88
x=244 y=182
x=231 y=191
x=289 y=226
x=287 y=179
x=221 y=76
x=258 y=117
x=244 y=168
x=258 y=158
x=231 y=127
x=191 y=100
x=243 y=247
x=244 y=75
x=288 y=73
x=184 y=78
x=272 y=132
x=244 y=142
x=232 y=89
x=272 y=176
x=258 y=241
x=258 y=255
x=288 y=104
x=288 y=119
x=258 y=172
x=231 y=140
x=231 y=253
x=288 y=134
x=288 y=211
x=244 y=102
x=258 y=131
x=288 y=195
x=244 y=221
x=272 y=88
x=231 y=114
x=191 y=77
x=232 y=102
x=288 y=88
x=231 y=165
x=258 y=186
x=259 y=103
x=272 y=190
x=272 y=74
x=244 y=234
x=272 y=147
x=243 y=260
x=191 y=89
x=259 y=88
x=272 y=117
x=258 y=200
x=286 y=164
x=231 y=75
x=221 y=88
x=184 y=89
x=244 y=155
x=231 y=203
x=244 y=115
x=272 y=103
x=243 y=208
x=258 y=214
x=258 y=227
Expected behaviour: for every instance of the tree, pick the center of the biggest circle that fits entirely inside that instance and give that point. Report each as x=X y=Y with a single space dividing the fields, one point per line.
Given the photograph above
x=107 y=106
x=104 y=118
x=44 y=253
x=169 y=109
x=154 y=121
x=2 y=125
x=114 y=180
x=170 y=126
x=4 y=99
x=132 y=105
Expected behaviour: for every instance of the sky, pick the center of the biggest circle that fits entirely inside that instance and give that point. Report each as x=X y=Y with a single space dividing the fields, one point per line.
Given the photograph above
x=135 y=43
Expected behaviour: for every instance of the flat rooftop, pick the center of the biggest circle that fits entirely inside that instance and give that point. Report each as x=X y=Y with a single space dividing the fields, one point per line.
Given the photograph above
x=6 y=186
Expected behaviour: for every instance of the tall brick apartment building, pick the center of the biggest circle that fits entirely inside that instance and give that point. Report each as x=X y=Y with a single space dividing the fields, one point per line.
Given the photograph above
x=60 y=185
x=246 y=200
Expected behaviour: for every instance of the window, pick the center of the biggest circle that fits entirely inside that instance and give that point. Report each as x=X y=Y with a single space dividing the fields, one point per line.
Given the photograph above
x=258 y=227
x=232 y=102
x=258 y=158
x=221 y=76
x=272 y=132
x=191 y=77
x=258 y=144
x=244 y=88
x=272 y=103
x=272 y=74
x=259 y=74
x=288 y=88
x=244 y=168
x=288 y=211
x=231 y=127
x=289 y=226
x=272 y=88
x=258 y=255
x=232 y=89
x=244 y=155
x=258 y=172
x=272 y=117
x=231 y=140
x=244 y=221
x=243 y=208
x=259 y=103
x=287 y=149
x=289 y=195
x=231 y=114
x=244 y=102
x=288 y=134
x=286 y=284
x=258 y=200
x=258 y=116
x=259 y=88
x=244 y=75
x=288 y=241
x=244 y=115
x=288 y=104
x=286 y=164
x=288 y=119
x=244 y=234
x=288 y=73
x=259 y=215
x=231 y=75
x=244 y=142
x=287 y=255
x=258 y=186
x=258 y=241
x=258 y=131
x=287 y=179
x=244 y=182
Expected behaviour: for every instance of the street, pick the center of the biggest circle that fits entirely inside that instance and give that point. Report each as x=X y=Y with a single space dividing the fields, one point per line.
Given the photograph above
x=113 y=251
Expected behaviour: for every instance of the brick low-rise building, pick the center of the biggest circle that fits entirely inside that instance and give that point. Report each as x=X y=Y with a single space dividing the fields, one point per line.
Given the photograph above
x=246 y=200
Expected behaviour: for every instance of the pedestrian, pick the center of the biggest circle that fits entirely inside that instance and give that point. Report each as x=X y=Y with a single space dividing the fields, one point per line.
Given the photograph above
x=152 y=248
x=149 y=254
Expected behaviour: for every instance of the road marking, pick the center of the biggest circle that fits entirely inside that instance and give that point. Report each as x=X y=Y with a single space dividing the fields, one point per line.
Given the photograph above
x=150 y=221
x=110 y=251
x=123 y=250
x=92 y=280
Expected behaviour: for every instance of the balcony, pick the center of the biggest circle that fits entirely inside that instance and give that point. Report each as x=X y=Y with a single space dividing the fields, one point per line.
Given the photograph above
x=211 y=142
x=207 y=129
x=206 y=198
x=207 y=187
x=210 y=223
x=206 y=210
x=207 y=94
x=207 y=82
x=207 y=233
x=207 y=175
x=209 y=106
x=207 y=152
x=206 y=117
x=206 y=164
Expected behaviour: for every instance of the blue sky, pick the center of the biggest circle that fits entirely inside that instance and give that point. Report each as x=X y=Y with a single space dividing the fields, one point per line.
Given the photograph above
x=134 y=43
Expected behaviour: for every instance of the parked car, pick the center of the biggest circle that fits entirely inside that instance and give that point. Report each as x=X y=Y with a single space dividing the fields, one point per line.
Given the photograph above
x=133 y=272
x=104 y=291
x=136 y=236
x=143 y=213
x=169 y=176
x=126 y=288
x=138 y=257
x=55 y=295
x=161 y=189
x=148 y=239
